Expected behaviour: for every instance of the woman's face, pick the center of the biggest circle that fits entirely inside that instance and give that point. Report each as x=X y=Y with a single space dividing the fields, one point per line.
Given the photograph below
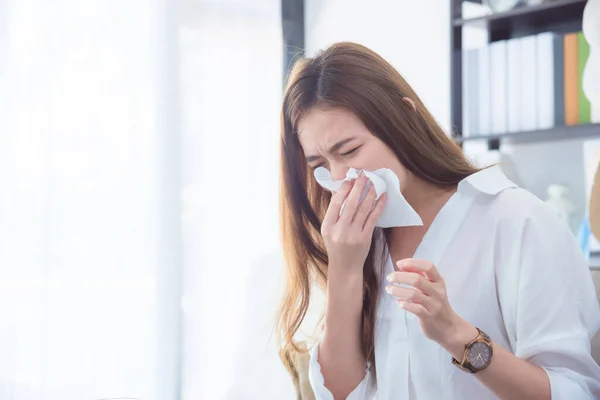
x=338 y=140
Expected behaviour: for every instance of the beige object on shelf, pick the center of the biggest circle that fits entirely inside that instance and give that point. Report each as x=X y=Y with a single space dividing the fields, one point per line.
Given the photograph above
x=591 y=86
x=595 y=204
x=591 y=30
x=596 y=339
x=591 y=74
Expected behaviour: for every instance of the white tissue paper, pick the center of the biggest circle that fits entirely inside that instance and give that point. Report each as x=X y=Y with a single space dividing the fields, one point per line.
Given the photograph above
x=397 y=211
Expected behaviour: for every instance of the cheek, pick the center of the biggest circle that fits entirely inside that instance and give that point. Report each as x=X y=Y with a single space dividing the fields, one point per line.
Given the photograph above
x=391 y=161
x=400 y=172
x=375 y=155
x=402 y=175
x=386 y=158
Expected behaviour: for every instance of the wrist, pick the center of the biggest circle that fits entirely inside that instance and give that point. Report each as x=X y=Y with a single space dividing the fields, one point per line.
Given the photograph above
x=345 y=280
x=343 y=272
x=461 y=334
x=344 y=293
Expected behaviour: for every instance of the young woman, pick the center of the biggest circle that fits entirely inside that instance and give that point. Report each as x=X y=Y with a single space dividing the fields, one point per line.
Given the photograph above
x=490 y=298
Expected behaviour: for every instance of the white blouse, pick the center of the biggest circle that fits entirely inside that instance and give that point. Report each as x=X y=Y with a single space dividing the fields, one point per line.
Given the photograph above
x=513 y=269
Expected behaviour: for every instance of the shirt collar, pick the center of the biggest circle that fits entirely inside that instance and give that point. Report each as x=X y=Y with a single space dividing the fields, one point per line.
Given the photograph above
x=490 y=181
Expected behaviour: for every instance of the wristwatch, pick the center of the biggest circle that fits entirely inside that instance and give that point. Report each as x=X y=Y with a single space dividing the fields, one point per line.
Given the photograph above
x=478 y=354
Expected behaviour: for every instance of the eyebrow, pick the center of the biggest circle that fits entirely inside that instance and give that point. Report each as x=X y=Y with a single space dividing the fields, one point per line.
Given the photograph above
x=332 y=149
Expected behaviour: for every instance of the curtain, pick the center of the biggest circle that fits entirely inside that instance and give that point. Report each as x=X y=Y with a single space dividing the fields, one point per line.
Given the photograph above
x=88 y=245
x=231 y=84
x=139 y=251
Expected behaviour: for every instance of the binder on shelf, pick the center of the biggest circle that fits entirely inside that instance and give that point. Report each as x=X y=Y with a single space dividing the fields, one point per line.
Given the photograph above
x=498 y=87
x=483 y=64
x=559 y=79
x=583 y=53
x=470 y=82
x=571 y=79
x=528 y=117
x=513 y=82
x=545 y=80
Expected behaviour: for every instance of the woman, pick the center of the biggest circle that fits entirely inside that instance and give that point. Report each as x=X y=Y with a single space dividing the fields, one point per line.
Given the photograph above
x=490 y=298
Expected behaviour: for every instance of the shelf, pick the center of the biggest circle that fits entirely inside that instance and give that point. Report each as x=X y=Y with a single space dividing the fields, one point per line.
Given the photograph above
x=570 y=132
x=544 y=10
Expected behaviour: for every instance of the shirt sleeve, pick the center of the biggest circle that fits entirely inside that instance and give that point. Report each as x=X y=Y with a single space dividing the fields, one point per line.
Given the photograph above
x=556 y=311
x=364 y=390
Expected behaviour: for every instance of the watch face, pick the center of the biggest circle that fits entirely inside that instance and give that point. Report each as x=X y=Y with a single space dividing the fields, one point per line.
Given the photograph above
x=479 y=355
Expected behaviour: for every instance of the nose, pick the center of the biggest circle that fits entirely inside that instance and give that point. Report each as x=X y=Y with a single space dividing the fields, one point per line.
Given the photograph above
x=338 y=172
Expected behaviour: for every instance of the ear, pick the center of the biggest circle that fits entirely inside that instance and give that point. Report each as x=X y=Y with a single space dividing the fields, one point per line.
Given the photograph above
x=409 y=101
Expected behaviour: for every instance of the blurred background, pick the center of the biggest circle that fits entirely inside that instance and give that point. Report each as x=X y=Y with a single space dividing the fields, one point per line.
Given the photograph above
x=139 y=247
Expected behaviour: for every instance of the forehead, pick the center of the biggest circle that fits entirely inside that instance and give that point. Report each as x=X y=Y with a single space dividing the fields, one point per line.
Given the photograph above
x=324 y=127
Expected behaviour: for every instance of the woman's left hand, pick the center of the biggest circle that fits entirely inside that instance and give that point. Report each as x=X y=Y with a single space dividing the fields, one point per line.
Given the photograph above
x=427 y=299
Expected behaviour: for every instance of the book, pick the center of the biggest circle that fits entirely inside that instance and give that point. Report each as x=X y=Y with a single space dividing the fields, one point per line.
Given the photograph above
x=470 y=83
x=527 y=116
x=513 y=82
x=545 y=80
x=559 y=79
x=498 y=87
x=571 y=77
x=583 y=53
x=483 y=64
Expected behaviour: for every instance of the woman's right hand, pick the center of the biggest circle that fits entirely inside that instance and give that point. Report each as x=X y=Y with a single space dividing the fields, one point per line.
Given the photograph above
x=348 y=236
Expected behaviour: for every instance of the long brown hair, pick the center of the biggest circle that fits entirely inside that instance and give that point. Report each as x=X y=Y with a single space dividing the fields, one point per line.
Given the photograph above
x=350 y=76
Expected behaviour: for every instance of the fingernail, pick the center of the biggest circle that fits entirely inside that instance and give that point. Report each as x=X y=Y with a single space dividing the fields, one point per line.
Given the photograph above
x=400 y=263
x=390 y=277
x=400 y=303
x=388 y=289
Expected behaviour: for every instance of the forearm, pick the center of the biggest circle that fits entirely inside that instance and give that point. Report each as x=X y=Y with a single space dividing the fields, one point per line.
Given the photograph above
x=340 y=356
x=508 y=376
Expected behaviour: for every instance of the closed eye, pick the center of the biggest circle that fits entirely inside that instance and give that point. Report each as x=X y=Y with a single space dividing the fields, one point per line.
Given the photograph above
x=350 y=152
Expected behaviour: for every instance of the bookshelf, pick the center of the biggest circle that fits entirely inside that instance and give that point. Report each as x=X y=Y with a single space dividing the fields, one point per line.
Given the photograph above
x=556 y=16
x=559 y=16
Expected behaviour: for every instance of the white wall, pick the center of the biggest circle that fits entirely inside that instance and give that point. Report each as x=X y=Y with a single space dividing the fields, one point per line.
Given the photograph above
x=414 y=36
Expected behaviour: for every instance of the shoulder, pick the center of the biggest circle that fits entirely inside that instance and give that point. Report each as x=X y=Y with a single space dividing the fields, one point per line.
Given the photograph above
x=516 y=204
x=530 y=234
x=523 y=226
x=512 y=218
x=497 y=197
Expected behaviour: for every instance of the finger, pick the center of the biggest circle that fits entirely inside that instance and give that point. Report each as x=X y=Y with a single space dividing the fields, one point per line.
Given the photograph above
x=365 y=208
x=413 y=279
x=335 y=205
x=353 y=199
x=421 y=266
x=414 y=308
x=371 y=221
x=412 y=295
